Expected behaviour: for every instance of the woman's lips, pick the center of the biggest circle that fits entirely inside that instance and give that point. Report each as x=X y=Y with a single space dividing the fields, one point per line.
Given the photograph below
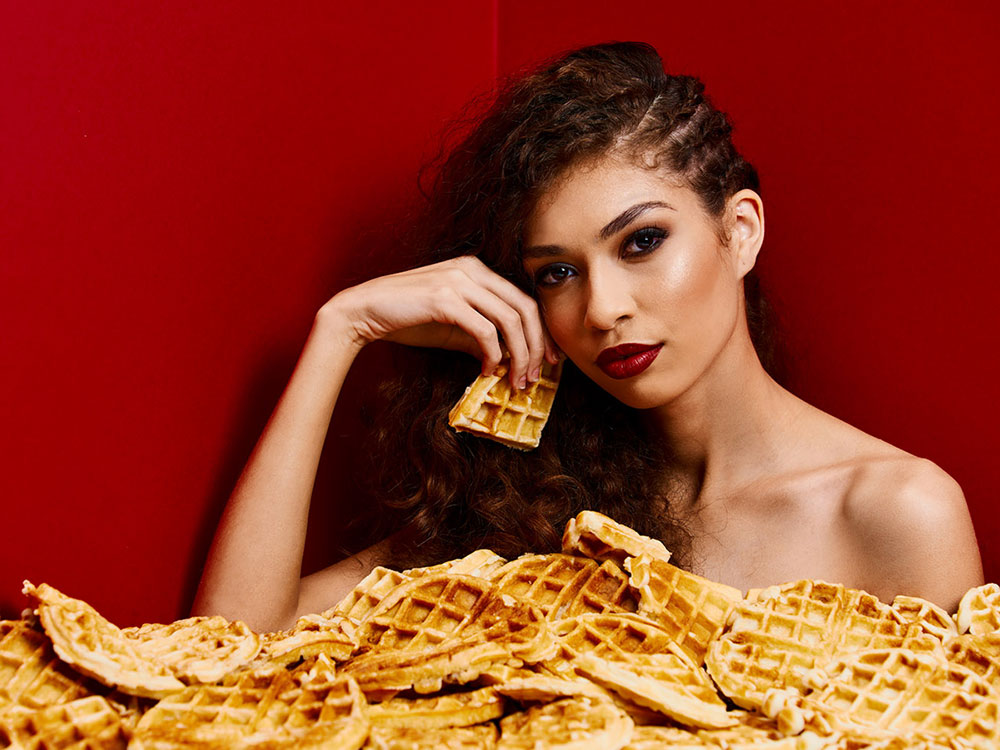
x=624 y=361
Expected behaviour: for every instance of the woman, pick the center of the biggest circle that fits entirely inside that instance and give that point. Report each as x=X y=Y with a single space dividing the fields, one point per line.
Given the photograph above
x=599 y=211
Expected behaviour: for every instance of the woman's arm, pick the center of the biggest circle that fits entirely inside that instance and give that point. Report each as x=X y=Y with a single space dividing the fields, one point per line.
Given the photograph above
x=254 y=565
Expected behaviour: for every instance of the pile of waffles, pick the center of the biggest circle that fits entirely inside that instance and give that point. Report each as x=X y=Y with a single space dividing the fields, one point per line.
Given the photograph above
x=603 y=646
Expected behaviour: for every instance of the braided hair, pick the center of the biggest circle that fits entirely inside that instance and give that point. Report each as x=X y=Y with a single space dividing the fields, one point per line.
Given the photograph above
x=459 y=492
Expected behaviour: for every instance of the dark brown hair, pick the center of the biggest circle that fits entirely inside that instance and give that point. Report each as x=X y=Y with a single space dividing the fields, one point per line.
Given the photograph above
x=460 y=492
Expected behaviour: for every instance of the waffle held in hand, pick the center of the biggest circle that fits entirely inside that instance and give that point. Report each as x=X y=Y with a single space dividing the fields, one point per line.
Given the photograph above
x=491 y=408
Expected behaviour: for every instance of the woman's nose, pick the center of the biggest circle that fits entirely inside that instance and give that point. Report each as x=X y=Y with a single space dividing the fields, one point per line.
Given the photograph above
x=609 y=301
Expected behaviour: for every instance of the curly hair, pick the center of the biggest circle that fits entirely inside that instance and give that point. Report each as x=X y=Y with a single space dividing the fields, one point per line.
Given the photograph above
x=459 y=492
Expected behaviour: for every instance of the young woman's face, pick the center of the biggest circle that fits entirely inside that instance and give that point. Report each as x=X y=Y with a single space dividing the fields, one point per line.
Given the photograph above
x=633 y=280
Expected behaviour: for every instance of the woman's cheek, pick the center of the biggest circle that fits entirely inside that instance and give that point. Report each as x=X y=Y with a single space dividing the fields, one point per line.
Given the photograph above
x=560 y=323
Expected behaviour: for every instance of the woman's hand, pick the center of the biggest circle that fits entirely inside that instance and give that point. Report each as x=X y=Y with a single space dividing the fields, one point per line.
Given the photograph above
x=457 y=304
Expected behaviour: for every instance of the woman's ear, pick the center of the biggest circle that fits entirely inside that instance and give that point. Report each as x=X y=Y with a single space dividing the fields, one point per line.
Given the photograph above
x=746 y=229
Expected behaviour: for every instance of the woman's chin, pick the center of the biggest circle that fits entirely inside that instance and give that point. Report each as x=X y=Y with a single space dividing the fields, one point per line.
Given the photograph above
x=637 y=394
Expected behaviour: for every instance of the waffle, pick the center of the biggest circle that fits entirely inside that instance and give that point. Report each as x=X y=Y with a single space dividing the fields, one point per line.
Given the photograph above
x=446 y=710
x=930 y=617
x=595 y=535
x=977 y=653
x=306 y=708
x=482 y=737
x=492 y=409
x=566 y=585
x=774 y=641
x=482 y=563
x=892 y=692
x=570 y=724
x=198 y=649
x=691 y=608
x=31 y=675
x=979 y=610
x=752 y=732
x=445 y=628
x=312 y=635
x=618 y=637
x=367 y=595
x=666 y=683
x=96 y=648
x=544 y=688
x=86 y=723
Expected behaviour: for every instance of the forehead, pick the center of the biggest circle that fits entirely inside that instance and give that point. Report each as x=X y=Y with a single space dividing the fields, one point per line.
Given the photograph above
x=588 y=195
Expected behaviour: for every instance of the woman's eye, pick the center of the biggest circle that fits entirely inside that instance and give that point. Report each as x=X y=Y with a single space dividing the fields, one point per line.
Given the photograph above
x=644 y=241
x=552 y=275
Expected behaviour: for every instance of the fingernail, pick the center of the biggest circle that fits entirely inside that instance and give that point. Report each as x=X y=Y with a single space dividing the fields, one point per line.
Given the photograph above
x=522 y=383
x=535 y=374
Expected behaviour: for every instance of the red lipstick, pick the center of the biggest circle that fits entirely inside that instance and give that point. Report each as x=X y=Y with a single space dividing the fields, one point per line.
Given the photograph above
x=620 y=362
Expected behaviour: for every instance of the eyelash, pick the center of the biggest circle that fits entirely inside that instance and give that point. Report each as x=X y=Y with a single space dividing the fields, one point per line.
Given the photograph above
x=646 y=234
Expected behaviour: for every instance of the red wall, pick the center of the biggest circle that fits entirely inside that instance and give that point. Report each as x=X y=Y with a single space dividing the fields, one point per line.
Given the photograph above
x=183 y=184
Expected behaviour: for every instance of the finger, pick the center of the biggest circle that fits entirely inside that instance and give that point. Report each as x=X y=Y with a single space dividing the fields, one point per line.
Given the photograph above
x=453 y=309
x=508 y=321
x=536 y=340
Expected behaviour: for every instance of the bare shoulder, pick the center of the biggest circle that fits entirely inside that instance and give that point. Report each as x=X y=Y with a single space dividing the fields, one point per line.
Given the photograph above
x=912 y=528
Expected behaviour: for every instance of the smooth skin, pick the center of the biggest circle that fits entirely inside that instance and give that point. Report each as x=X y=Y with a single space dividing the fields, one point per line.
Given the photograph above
x=771 y=488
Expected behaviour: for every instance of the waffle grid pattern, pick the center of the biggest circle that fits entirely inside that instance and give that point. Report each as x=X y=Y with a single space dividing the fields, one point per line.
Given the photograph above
x=491 y=408
x=368 y=594
x=83 y=724
x=547 y=581
x=775 y=641
x=692 y=609
x=31 y=674
x=899 y=691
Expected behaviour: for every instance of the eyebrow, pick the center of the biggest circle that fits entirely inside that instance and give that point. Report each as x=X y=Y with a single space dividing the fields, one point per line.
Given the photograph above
x=629 y=215
x=618 y=223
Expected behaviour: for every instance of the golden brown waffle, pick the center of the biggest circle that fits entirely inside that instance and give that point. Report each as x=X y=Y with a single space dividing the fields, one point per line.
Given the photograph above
x=892 y=692
x=96 y=648
x=445 y=710
x=306 y=708
x=482 y=563
x=774 y=641
x=85 y=724
x=492 y=409
x=570 y=724
x=445 y=628
x=31 y=675
x=367 y=595
x=336 y=637
x=595 y=535
x=977 y=653
x=608 y=589
x=667 y=683
x=198 y=649
x=929 y=616
x=628 y=641
x=979 y=610
x=619 y=637
x=750 y=732
x=691 y=608
x=482 y=737
x=566 y=585
x=545 y=686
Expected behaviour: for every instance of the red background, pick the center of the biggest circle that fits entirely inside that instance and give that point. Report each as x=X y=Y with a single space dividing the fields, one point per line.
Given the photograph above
x=183 y=184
